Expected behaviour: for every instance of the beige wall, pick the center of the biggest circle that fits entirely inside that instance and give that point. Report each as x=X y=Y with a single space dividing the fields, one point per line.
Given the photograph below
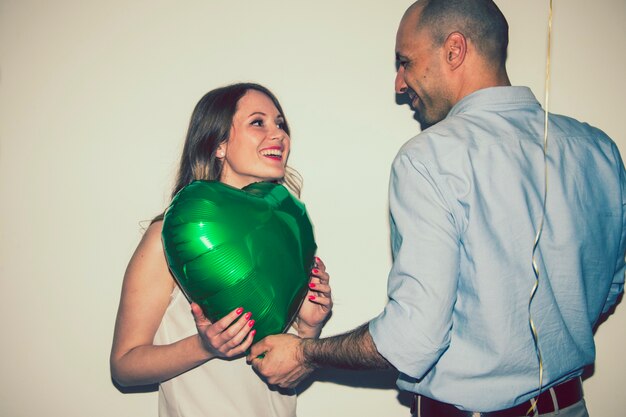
x=94 y=102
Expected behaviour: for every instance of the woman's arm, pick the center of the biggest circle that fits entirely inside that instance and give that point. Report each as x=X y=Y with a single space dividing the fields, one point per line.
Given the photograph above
x=146 y=291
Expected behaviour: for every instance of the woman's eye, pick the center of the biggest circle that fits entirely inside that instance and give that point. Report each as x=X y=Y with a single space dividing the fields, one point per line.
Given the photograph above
x=257 y=122
x=281 y=125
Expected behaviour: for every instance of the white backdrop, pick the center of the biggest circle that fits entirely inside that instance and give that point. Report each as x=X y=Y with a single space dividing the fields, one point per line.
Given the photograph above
x=94 y=101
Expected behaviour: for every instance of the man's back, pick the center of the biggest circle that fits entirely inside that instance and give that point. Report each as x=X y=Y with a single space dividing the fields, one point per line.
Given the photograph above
x=466 y=204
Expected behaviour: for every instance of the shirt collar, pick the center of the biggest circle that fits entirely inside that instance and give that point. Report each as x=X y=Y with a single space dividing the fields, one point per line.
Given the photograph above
x=495 y=96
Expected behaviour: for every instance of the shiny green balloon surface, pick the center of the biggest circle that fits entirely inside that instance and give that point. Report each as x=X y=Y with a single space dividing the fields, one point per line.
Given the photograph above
x=251 y=248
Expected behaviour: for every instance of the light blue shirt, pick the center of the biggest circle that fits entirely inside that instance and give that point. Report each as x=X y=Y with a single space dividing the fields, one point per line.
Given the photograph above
x=466 y=204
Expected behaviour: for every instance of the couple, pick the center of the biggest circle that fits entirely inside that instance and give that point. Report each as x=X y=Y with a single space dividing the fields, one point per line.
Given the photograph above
x=464 y=325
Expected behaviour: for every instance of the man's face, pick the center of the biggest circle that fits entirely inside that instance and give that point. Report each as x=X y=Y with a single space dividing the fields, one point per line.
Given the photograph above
x=420 y=71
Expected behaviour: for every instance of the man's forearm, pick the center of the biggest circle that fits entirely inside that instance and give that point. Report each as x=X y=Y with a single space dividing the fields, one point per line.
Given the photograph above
x=352 y=350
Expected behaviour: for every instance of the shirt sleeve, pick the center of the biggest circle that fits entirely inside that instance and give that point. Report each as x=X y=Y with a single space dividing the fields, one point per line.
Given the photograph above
x=617 y=286
x=414 y=329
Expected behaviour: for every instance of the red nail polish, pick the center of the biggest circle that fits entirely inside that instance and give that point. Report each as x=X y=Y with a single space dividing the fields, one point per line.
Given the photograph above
x=253 y=332
x=311 y=285
x=311 y=297
x=317 y=259
x=316 y=271
x=248 y=315
x=251 y=323
x=239 y=310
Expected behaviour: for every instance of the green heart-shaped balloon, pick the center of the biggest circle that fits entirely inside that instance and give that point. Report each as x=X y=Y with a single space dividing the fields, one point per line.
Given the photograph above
x=251 y=248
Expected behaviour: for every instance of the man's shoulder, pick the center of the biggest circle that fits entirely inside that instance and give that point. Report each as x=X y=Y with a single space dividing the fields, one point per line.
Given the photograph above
x=438 y=140
x=582 y=134
x=572 y=126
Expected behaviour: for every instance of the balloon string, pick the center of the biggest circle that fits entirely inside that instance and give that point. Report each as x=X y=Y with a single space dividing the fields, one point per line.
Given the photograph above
x=543 y=212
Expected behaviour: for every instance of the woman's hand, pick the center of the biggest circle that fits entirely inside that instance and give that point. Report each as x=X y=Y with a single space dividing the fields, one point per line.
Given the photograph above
x=228 y=337
x=317 y=306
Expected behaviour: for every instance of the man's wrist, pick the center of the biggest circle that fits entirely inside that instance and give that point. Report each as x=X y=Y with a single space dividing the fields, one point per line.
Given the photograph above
x=307 y=353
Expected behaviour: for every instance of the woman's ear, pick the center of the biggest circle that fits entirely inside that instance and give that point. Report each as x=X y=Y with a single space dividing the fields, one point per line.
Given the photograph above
x=221 y=151
x=455 y=47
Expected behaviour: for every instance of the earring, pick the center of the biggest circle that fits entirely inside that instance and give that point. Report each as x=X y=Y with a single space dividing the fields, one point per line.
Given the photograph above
x=220 y=154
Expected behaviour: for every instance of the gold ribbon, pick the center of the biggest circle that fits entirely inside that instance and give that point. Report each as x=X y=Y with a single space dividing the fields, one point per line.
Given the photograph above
x=533 y=329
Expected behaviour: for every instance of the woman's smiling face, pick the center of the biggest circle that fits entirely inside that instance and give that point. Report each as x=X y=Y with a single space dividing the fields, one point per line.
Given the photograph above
x=258 y=146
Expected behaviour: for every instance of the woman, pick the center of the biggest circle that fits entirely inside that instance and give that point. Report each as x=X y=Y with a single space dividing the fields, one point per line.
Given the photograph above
x=237 y=135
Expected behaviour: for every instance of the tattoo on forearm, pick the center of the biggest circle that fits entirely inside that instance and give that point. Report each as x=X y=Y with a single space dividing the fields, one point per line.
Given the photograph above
x=352 y=350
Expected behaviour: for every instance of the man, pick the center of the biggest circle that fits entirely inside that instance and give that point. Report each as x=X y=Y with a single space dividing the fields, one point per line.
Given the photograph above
x=464 y=325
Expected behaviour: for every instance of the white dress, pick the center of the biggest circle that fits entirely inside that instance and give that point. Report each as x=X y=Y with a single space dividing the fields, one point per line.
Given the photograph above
x=220 y=388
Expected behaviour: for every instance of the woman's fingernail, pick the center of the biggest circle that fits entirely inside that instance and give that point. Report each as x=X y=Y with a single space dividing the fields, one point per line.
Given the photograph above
x=311 y=285
x=316 y=271
x=251 y=323
x=248 y=315
x=239 y=310
x=253 y=332
x=317 y=259
x=311 y=297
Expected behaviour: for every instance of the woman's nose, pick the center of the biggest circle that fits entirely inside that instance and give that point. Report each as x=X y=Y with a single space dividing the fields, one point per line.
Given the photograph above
x=278 y=133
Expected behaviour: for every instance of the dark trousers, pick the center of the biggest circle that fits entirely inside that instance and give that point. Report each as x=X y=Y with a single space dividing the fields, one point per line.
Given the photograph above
x=563 y=400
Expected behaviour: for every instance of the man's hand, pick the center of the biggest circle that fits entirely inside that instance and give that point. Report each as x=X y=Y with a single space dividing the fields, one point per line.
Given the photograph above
x=287 y=359
x=282 y=360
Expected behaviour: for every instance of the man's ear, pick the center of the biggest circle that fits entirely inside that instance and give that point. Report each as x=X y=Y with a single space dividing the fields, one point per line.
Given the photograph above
x=455 y=48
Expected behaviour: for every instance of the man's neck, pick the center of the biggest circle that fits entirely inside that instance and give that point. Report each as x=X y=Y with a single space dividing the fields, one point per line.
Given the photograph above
x=481 y=78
